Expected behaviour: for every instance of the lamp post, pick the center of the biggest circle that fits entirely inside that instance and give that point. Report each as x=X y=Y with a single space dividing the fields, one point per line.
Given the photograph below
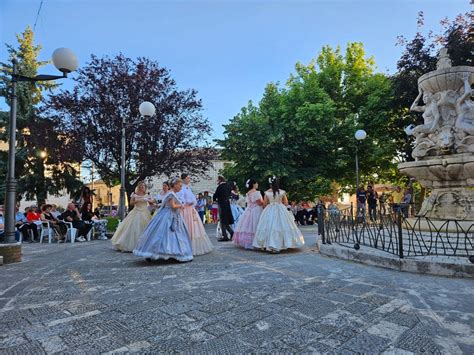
x=147 y=109
x=359 y=135
x=65 y=61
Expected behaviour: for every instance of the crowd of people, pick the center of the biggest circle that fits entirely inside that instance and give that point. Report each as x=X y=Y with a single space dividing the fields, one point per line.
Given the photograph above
x=223 y=208
x=80 y=216
x=396 y=201
x=176 y=229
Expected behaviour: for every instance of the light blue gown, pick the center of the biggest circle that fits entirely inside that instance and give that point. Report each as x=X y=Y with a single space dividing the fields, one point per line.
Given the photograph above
x=237 y=211
x=166 y=236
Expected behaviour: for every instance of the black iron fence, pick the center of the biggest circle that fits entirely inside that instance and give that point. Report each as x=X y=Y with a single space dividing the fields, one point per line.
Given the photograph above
x=397 y=234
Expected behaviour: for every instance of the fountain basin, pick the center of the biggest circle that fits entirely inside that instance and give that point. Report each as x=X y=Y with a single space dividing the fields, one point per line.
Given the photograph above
x=445 y=79
x=455 y=170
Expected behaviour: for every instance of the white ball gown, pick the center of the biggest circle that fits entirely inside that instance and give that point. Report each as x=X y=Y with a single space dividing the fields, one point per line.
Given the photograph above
x=129 y=231
x=276 y=229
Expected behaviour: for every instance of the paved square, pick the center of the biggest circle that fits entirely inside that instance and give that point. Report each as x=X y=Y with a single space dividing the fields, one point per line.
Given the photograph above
x=89 y=298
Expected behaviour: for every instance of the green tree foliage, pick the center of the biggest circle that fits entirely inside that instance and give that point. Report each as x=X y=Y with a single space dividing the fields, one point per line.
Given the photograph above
x=36 y=175
x=304 y=132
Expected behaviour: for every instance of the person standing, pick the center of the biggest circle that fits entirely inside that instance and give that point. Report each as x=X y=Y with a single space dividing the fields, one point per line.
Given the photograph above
x=247 y=225
x=201 y=206
x=237 y=211
x=276 y=229
x=222 y=197
x=372 y=198
x=166 y=236
x=200 y=242
x=361 y=196
x=129 y=231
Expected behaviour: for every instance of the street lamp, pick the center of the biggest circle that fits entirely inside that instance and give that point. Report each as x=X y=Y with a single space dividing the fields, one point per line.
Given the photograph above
x=65 y=61
x=147 y=109
x=359 y=135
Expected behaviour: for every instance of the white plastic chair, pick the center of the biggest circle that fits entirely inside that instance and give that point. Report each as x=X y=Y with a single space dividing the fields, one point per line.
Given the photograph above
x=46 y=230
x=91 y=232
x=71 y=232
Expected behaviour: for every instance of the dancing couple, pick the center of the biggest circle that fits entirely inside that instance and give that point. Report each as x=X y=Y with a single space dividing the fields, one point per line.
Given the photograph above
x=226 y=196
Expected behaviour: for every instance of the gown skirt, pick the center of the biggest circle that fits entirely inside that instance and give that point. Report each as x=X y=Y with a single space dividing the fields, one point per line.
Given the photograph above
x=129 y=231
x=200 y=242
x=245 y=230
x=237 y=212
x=166 y=237
x=276 y=230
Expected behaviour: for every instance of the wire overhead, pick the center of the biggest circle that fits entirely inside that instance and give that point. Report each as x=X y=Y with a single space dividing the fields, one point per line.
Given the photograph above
x=37 y=15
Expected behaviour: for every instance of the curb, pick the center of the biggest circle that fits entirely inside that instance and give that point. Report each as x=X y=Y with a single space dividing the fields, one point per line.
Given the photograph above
x=438 y=268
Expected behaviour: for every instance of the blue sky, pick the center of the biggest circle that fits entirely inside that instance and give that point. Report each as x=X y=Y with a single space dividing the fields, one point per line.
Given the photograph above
x=227 y=50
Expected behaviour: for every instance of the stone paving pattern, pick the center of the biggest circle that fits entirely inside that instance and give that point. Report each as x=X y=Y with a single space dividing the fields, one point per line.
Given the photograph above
x=88 y=298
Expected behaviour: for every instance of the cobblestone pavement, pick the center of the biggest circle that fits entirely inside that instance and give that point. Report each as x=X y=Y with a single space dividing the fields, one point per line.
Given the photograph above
x=88 y=298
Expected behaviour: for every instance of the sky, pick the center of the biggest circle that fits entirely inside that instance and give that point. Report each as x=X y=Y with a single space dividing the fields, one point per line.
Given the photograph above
x=226 y=50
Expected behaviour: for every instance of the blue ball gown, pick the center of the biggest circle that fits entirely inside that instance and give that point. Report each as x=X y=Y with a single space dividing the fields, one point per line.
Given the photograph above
x=166 y=236
x=237 y=211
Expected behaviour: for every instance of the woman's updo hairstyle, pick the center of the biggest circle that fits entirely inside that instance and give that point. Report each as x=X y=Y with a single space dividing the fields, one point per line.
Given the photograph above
x=275 y=185
x=174 y=181
x=249 y=183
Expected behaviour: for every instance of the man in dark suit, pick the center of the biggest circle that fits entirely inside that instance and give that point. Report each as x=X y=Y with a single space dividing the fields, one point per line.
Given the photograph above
x=222 y=196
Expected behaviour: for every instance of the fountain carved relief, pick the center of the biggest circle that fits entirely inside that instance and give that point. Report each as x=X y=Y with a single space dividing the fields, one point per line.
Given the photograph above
x=444 y=142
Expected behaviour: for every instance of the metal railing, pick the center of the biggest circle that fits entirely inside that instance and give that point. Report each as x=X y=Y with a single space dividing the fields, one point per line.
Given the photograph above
x=396 y=234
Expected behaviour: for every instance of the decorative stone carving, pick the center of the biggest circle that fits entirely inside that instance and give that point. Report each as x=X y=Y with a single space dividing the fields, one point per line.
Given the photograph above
x=444 y=143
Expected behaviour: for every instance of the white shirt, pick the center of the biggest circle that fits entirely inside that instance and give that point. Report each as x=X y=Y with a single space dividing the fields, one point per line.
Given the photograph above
x=186 y=196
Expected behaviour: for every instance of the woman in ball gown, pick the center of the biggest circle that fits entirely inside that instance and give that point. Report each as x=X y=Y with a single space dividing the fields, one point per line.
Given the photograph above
x=126 y=236
x=200 y=242
x=158 y=198
x=236 y=210
x=166 y=236
x=276 y=229
x=244 y=232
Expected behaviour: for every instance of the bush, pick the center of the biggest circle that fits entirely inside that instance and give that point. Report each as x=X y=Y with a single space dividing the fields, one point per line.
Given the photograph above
x=112 y=223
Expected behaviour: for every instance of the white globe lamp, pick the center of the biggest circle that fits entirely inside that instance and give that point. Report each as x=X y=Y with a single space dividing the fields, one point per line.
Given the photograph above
x=360 y=134
x=147 y=109
x=65 y=60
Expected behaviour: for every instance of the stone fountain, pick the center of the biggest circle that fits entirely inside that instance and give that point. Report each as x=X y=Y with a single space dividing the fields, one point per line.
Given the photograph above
x=444 y=143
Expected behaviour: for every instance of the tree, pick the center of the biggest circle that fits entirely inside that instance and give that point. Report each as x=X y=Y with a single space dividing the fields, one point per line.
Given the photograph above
x=107 y=90
x=304 y=132
x=37 y=176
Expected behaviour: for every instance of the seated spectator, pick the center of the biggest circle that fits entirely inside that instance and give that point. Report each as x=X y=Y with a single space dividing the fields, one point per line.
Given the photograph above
x=2 y=227
x=302 y=215
x=56 y=214
x=33 y=215
x=27 y=210
x=72 y=215
x=100 y=225
x=24 y=227
x=57 y=225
